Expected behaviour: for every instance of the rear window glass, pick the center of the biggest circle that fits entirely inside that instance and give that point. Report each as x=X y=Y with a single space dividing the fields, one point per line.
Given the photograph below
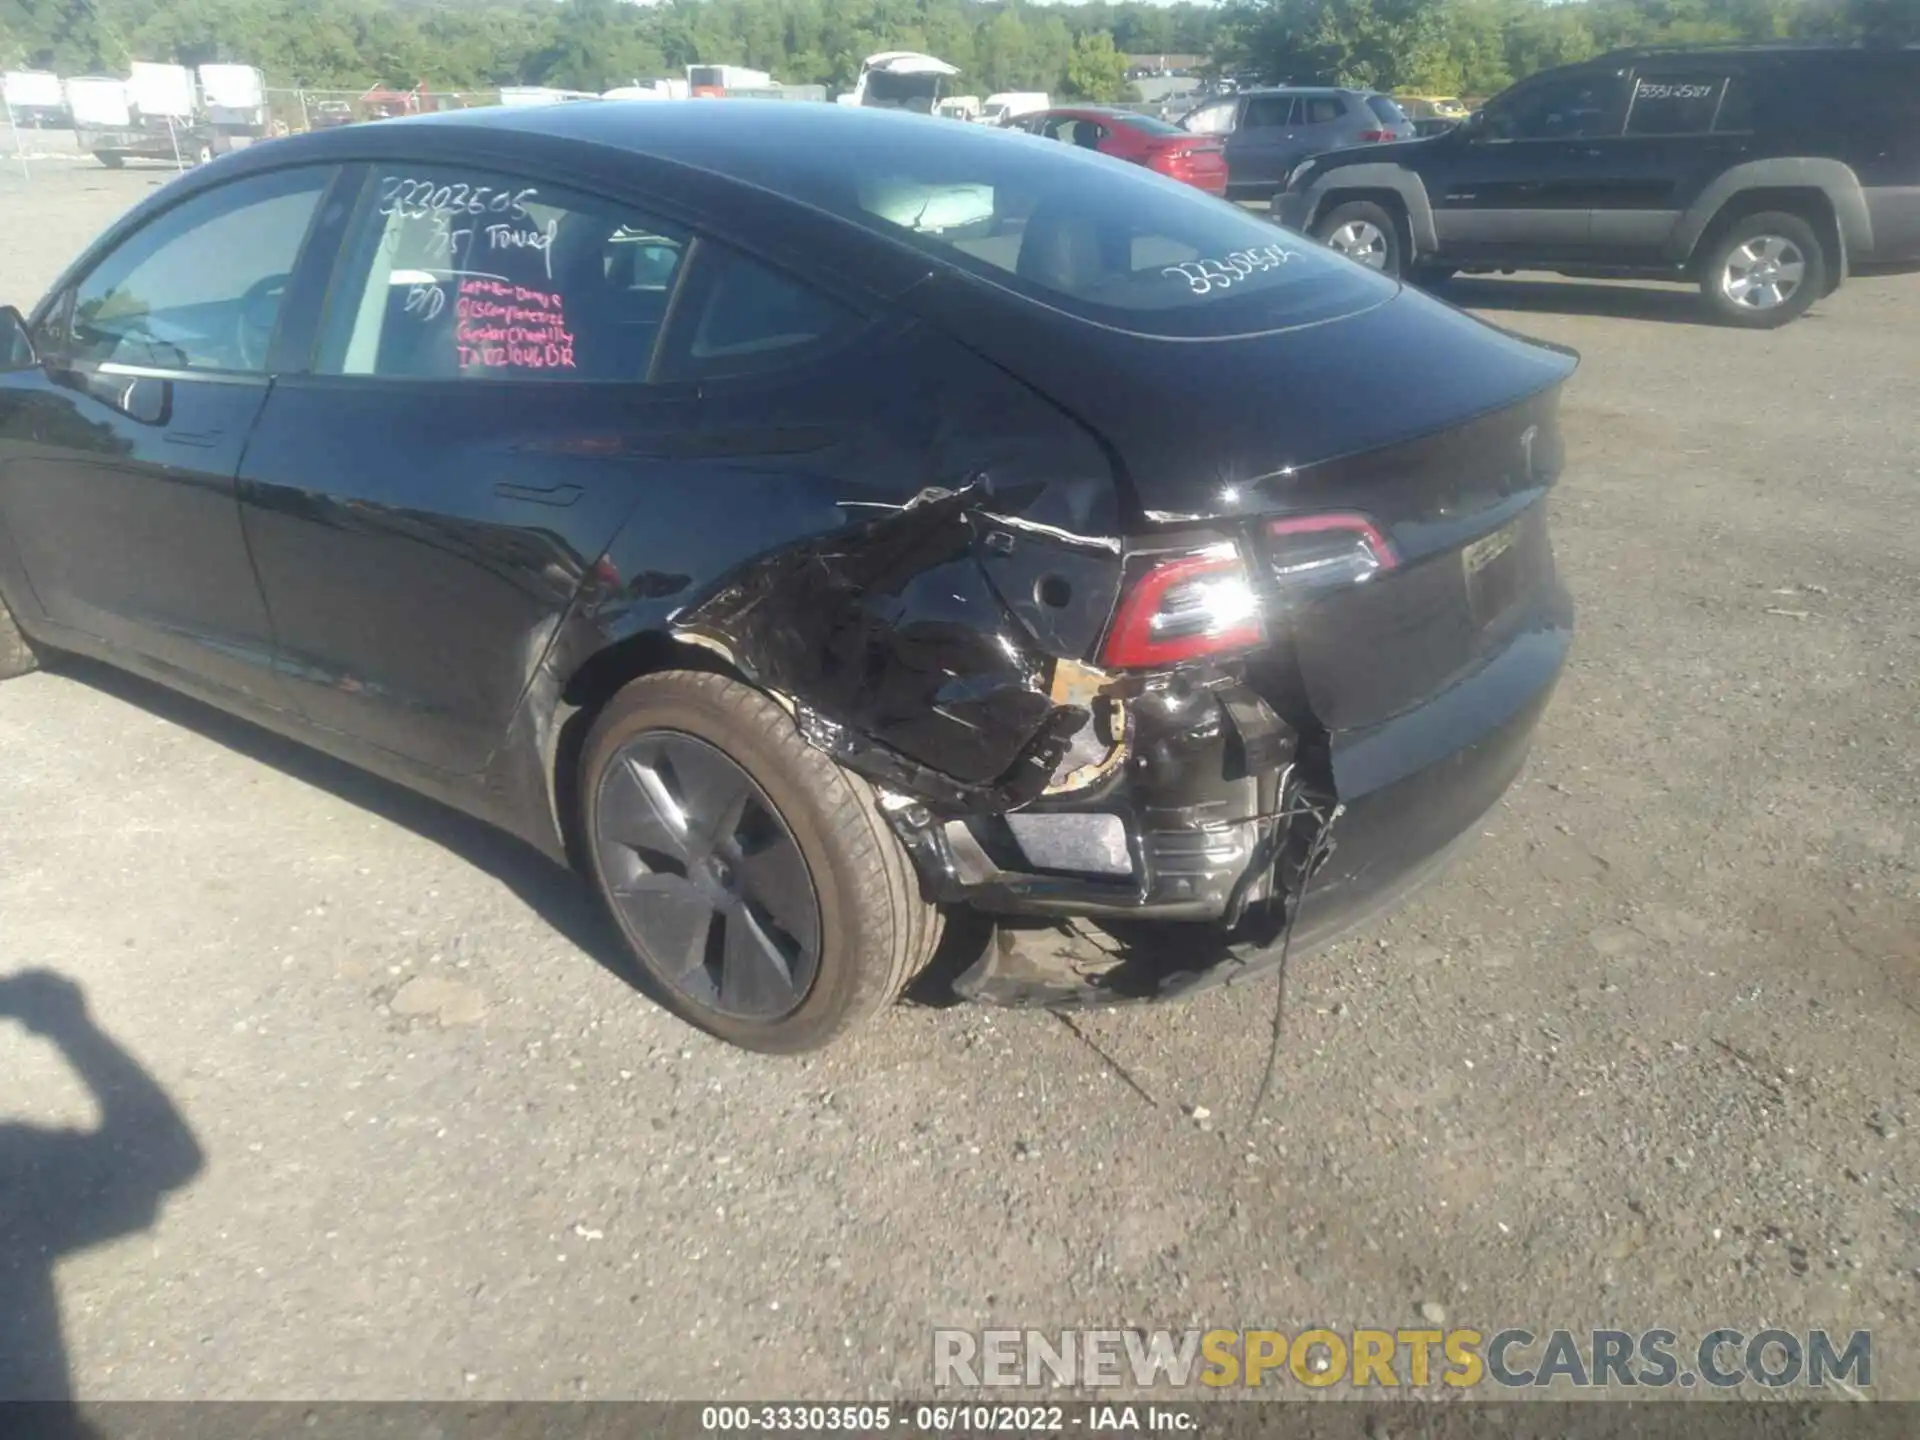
x=1386 y=110
x=1674 y=104
x=1736 y=107
x=1147 y=125
x=1113 y=244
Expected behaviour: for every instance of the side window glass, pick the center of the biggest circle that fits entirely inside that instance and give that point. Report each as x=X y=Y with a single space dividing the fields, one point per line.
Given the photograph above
x=1324 y=109
x=1211 y=120
x=451 y=273
x=1736 y=107
x=200 y=286
x=748 y=319
x=1269 y=112
x=1572 y=108
x=1674 y=104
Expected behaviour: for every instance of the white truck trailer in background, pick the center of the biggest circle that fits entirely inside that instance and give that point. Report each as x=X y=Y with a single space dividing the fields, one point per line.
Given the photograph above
x=33 y=99
x=708 y=81
x=154 y=114
x=234 y=98
x=1010 y=105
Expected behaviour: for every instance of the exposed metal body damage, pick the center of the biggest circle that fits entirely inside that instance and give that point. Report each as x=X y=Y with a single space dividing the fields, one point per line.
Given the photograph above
x=962 y=659
x=937 y=648
x=902 y=654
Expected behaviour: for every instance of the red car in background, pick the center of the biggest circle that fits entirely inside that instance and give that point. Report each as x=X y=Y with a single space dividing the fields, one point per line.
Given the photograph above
x=1198 y=160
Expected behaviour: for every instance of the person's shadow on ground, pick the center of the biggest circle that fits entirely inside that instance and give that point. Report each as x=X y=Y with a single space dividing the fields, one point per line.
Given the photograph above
x=64 y=1190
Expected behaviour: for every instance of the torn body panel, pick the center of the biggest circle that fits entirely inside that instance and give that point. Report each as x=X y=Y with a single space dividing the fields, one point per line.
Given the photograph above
x=953 y=641
x=901 y=653
x=1370 y=726
x=903 y=578
x=1404 y=705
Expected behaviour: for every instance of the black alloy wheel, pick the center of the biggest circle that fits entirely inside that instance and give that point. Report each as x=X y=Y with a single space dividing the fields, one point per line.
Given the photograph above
x=706 y=879
x=757 y=883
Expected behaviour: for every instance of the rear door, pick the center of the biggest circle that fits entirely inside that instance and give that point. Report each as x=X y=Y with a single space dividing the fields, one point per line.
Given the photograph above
x=118 y=454
x=480 y=417
x=1522 y=184
x=1668 y=151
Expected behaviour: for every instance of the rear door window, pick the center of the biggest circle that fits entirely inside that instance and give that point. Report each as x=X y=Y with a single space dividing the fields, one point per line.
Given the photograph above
x=1075 y=130
x=1323 y=109
x=455 y=273
x=1735 y=112
x=1087 y=134
x=1268 y=112
x=1147 y=125
x=1678 y=104
x=743 y=317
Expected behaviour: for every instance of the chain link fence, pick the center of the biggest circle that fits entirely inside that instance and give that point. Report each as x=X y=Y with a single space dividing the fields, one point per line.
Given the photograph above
x=291 y=111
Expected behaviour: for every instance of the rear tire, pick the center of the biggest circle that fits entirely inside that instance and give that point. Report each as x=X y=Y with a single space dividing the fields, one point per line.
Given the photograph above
x=816 y=958
x=1365 y=233
x=16 y=651
x=112 y=161
x=1765 y=270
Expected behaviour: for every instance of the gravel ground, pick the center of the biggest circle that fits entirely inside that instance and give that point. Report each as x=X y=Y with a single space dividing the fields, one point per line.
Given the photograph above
x=1646 y=1056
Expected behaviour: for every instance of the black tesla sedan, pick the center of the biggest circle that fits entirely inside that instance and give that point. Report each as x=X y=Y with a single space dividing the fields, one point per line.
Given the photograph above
x=806 y=518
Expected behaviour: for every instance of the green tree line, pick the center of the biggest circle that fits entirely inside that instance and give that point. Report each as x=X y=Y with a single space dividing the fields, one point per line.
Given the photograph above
x=596 y=44
x=1478 y=47
x=1467 y=47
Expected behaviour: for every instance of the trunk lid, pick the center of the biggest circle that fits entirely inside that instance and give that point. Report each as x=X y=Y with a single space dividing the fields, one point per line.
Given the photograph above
x=1473 y=579
x=1189 y=158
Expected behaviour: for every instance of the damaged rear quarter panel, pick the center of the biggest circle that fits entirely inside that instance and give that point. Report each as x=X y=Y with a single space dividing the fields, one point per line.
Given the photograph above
x=899 y=539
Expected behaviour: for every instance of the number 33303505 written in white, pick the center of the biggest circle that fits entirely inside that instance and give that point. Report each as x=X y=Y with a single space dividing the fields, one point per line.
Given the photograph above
x=1205 y=276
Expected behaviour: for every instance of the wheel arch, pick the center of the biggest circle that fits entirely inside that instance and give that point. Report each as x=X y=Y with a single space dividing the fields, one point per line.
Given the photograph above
x=1388 y=201
x=584 y=690
x=1399 y=190
x=1825 y=193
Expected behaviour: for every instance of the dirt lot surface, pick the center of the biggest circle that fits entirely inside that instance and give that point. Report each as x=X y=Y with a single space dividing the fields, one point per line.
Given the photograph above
x=1646 y=1056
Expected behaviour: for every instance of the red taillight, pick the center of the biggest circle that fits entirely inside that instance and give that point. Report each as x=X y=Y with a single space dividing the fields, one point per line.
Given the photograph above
x=1183 y=608
x=1205 y=602
x=1310 y=553
x=1376 y=137
x=1181 y=161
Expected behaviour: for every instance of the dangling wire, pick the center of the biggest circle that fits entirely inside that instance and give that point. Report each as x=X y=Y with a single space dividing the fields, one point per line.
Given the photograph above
x=1317 y=853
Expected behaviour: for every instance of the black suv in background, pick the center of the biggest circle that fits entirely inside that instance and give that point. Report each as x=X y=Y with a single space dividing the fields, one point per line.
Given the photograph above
x=1766 y=174
x=1266 y=133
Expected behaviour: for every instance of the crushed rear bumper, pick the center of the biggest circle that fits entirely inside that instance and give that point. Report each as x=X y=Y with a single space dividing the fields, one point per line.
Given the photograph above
x=1338 y=832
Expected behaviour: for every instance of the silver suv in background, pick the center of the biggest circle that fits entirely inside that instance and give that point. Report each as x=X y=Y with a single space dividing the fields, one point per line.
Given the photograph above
x=1268 y=132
